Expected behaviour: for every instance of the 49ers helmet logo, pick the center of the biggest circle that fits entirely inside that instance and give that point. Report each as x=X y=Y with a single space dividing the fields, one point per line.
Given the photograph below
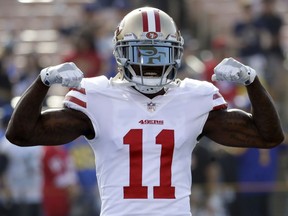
x=152 y=35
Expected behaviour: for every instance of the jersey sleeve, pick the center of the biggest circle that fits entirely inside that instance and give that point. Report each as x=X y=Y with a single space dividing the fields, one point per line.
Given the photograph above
x=77 y=99
x=218 y=101
x=208 y=92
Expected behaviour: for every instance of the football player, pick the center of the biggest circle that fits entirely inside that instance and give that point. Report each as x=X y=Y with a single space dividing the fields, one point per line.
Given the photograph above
x=144 y=123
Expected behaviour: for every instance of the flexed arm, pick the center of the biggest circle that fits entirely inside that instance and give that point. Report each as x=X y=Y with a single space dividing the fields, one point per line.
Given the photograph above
x=30 y=126
x=261 y=129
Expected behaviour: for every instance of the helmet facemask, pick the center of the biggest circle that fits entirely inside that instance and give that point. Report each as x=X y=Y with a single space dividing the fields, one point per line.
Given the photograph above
x=149 y=64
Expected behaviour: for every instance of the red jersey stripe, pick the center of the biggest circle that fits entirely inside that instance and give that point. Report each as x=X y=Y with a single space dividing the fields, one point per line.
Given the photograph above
x=145 y=21
x=76 y=101
x=157 y=21
x=217 y=95
x=82 y=90
x=221 y=106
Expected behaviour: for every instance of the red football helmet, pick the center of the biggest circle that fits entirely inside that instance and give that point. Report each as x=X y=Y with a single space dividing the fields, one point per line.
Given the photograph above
x=148 y=49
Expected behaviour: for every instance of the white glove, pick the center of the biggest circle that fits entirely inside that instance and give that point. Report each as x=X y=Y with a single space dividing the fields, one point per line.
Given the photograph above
x=67 y=74
x=231 y=70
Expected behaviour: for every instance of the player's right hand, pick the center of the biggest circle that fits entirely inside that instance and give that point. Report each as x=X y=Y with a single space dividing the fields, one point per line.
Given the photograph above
x=66 y=74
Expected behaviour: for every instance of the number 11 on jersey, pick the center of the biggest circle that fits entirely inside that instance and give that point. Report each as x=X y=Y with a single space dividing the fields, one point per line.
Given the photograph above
x=136 y=190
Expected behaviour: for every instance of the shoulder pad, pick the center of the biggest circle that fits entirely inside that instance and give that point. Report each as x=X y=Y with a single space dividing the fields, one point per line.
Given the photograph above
x=94 y=83
x=201 y=87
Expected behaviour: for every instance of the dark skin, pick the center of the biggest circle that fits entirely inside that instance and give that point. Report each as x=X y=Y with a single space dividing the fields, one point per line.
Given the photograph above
x=29 y=126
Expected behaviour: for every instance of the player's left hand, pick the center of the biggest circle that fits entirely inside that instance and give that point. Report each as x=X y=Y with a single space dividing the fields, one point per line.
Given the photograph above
x=232 y=70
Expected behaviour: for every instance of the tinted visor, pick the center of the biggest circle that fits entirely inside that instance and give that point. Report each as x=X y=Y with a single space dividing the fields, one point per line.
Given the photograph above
x=150 y=54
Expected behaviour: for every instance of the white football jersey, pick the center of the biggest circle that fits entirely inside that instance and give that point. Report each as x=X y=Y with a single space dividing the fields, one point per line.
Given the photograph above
x=143 y=146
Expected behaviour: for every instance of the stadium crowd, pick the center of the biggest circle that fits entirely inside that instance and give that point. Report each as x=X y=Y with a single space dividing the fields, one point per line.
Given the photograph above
x=61 y=180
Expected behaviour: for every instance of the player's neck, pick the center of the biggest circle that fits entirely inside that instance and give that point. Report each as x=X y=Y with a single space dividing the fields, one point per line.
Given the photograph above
x=151 y=96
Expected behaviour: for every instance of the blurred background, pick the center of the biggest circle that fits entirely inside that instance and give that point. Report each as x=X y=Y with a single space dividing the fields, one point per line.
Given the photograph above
x=60 y=181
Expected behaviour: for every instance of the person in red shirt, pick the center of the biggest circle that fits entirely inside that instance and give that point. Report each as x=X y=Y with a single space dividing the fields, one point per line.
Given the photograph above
x=59 y=177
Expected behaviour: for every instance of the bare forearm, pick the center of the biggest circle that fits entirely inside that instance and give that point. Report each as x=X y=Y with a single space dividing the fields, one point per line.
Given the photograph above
x=27 y=111
x=265 y=115
x=30 y=126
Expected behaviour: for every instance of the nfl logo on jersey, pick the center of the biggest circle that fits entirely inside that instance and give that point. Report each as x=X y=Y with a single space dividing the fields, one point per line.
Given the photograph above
x=151 y=107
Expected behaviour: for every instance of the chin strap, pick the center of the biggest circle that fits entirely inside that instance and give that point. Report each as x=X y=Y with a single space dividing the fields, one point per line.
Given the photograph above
x=148 y=90
x=119 y=80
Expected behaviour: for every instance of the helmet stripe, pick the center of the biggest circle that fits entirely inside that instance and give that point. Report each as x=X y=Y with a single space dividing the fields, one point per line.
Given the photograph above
x=157 y=21
x=145 y=21
x=151 y=21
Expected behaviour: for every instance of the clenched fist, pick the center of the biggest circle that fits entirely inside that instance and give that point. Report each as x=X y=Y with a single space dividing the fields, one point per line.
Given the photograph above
x=232 y=70
x=66 y=74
